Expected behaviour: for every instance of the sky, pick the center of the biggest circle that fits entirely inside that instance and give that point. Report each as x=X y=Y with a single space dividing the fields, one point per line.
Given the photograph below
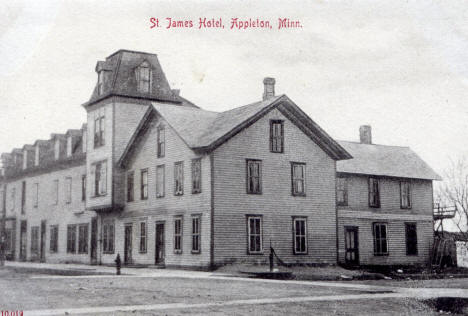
x=399 y=66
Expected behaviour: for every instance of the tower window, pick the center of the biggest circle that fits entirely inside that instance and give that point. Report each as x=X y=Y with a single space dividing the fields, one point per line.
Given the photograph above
x=144 y=78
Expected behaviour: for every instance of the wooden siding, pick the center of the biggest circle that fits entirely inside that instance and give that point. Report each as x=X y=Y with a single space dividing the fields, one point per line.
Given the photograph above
x=276 y=204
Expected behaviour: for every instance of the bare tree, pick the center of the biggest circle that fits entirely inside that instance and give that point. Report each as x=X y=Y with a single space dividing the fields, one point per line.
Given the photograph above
x=453 y=191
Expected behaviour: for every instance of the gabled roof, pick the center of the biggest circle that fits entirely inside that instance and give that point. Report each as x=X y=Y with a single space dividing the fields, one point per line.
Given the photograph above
x=382 y=160
x=206 y=130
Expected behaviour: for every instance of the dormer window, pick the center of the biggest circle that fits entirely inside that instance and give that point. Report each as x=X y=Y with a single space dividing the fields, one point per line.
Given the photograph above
x=144 y=77
x=69 y=146
x=100 y=82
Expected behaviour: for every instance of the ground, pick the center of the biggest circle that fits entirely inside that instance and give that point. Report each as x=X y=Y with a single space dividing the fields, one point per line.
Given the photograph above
x=170 y=292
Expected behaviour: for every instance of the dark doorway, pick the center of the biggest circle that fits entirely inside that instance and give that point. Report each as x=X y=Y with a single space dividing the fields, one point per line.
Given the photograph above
x=43 y=240
x=94 y=240
x=128 y=244
x=159 y=251
x=351 y=245
x=23 y=240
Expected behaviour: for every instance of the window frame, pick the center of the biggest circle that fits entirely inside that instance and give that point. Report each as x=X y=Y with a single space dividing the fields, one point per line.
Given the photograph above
x=108 y=237
x=144 y=184
x=83 y=238
x=53 y=243
x=36 y=195
x=344 y=189
x=100 y=184
x=83 y=187
x=196 y=175
x=378 y=239
x=273 y=137
x=68 y=190
x=179 y=178
x=160 y=183
x=408 y=202
x=34 y=240
x=259 y=235
x=295 y=235
x=196 y=234
x=294 y=191
x=178 y=235
x=143 y=245
x=248 y=176
x=71 y=238
x=411 y=252
x=161 y=141
x=373 y=195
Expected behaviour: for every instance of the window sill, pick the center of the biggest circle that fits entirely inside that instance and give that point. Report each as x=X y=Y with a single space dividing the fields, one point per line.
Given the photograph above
x=108 y=252
x=178 y=194
x=255 y=193
x=195 y=252
x=406 y=208
x=299 y=194
x=259 y=253
x=301 y=253
x=98 y=196
x=143 y=252
x=196 y=192
x=374 y=206
x=177 y=252
x=412 y=255
x=380 y=254
x=159 y=196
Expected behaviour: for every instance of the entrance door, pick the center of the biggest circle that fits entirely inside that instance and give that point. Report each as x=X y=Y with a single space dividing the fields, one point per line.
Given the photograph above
x=43 y=240
x=159 y=252
x=93 y=240
x=23 y=240
x=128 y=244
x=351 y=245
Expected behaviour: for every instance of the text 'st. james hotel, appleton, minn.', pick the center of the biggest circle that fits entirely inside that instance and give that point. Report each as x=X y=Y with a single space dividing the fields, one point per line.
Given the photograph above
x=160 y=181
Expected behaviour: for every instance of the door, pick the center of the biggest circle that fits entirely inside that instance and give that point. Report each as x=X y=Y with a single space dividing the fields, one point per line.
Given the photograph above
x=43 y=240
x=128 y=244
x=159 y=251
x=351 y=245
x=93 y=240
x=23 y=240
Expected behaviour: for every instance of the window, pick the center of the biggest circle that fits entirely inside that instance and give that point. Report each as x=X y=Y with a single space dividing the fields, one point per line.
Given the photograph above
x=380 y=239
x=108 y=237
x=342 y=191
x=68 y=189
x=298 y=178
x=36 y=156
x=179 y=178
x=196 y=175
x=100 y=82
x=57 y=149
x=35 y=240
x=13 y=198
x=25 y=159
x=100 y=178
x=69 y=146
x=53 y=246
x=130 y=189
x=144 y=184
x=36 y=194
x=23 y=197
x=71 y=238
x=254 y=230
x=83 y=187
x=411 y=239
x=9 y=240
x=56 y=191
x=160 y=175
x=83 y=238
x=300 y=235
x=374 y=196
x=254 y=176
x=99 y=130
x=196 y=221
x=178 y=234
x=276 y=136
x=405 y=194
x=144 y=78
x=143 y=237
x=161 y=141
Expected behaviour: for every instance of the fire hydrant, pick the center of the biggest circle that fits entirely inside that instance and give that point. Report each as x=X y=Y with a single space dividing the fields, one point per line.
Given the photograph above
x=118 y=263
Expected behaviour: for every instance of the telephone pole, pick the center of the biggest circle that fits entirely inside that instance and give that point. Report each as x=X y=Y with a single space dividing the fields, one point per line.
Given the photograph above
x=2 y=223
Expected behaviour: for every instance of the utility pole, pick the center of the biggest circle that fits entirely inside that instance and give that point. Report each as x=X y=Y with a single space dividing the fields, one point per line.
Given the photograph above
x=3 y=224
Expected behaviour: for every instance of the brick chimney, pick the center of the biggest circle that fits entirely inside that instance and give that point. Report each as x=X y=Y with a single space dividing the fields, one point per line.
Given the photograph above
x=365 y=134
x=269 y=91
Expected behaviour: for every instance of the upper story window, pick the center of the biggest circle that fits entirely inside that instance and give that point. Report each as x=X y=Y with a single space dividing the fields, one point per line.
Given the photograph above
x=254 y=176
x=100 y=82
x=298 y=171
x=130 y=189
x=36 y=194
x=56 y=191
x=23 y=197
x=13 y=199
x=99 y=130
x=144 y=184
x=69 y=146
x=160 y=175
x=57 y=149
x=161 y=141
x=196 y=175
x=342 y=191
x=276 y=136
x=405 y=194
x=179 y=178
x=144 y=77
x=83 y=187
x=36 y=156
x=374 y=192
x=68 y=189
x=100 y=178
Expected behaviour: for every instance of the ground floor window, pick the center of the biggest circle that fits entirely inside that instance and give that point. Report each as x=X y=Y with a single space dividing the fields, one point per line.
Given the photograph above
x=254 y=231
x=300 y=235
x=53 y=246
x=178 y=234
x=34 y=240
x=83 y=238
x=196 y=221
x=8 y=239
x=108 y=237
x=411 y=239
x=380 y=239
x=143 y=238
x=71 y=238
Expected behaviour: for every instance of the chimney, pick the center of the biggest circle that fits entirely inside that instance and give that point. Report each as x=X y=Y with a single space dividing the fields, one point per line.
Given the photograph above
x=365 y=134
x=269 y=92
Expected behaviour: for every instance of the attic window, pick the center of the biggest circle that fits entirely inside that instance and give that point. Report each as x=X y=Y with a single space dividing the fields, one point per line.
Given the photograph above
x=144 y=78
x=100 y=82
